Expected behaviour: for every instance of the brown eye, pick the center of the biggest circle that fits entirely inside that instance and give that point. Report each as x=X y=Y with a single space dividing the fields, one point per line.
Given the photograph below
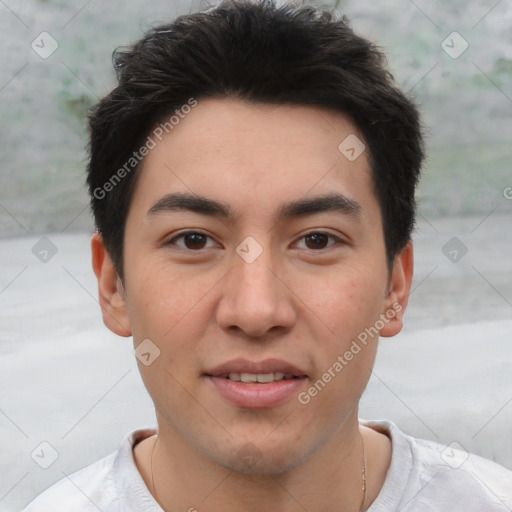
x=192 y=240
x=195 y=240
x=316 y=241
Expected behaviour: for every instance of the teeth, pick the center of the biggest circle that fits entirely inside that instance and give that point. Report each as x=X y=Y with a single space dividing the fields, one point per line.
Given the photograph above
x=258 y=377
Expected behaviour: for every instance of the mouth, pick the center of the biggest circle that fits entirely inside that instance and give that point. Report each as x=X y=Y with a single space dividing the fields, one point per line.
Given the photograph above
x=262 y=378
x=249 y=384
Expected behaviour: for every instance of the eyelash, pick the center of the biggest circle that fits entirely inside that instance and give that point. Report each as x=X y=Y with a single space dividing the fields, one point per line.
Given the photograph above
x=195 y=232
x=184 y=234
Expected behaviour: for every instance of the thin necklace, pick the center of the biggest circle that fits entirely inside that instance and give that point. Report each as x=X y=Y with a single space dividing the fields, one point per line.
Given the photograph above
x=152 y=478
x=363 y=472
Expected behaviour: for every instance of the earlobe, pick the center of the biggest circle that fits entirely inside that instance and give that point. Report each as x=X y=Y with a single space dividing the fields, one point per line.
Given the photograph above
x=398 y=291
x=110 y=289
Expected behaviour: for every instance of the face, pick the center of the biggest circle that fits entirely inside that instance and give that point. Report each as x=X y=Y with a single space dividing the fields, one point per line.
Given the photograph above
x=254 y=251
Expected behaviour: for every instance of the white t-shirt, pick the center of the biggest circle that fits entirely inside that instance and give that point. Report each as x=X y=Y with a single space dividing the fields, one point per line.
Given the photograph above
x=423 y=476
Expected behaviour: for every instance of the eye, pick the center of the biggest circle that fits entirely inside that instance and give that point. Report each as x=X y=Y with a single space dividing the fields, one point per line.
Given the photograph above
x=319 y=240
x=192 y=240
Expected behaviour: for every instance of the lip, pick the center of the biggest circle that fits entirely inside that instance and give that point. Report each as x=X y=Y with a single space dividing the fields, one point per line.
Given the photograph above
x=256 y=395
x=241 y=365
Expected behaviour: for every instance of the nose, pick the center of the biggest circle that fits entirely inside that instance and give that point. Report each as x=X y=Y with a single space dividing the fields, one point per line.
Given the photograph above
x=255 y=299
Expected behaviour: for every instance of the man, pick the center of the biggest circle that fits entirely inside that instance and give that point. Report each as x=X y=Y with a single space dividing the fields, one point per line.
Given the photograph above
x=252 y=179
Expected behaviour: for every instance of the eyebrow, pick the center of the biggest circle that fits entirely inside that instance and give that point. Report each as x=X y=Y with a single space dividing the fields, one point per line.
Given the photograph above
x=334 y=202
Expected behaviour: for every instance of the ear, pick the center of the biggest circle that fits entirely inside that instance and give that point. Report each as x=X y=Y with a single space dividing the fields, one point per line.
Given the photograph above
x=398 y=291
x=110 y=289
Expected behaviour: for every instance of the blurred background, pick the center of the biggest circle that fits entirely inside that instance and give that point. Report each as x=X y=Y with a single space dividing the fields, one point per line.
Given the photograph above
x=65 y=380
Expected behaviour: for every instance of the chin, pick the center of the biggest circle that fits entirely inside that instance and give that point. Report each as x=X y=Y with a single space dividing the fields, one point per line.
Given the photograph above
x=249 y=459
x=266 y=465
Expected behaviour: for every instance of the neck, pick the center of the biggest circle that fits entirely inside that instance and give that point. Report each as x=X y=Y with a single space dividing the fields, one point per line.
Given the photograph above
x=182 y=478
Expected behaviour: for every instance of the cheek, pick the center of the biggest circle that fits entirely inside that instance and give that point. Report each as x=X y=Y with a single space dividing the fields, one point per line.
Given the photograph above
x=160 y=297
x=348 y=302
x=349 y=306
x=345 y=357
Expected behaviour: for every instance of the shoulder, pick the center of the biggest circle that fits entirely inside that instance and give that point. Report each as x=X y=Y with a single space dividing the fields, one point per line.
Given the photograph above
x=86 y=490
x=101 y=486
x=429 y=476
x=458 y=477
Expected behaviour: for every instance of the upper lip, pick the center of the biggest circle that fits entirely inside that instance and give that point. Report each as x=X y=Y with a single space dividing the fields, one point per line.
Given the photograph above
x=241 y=365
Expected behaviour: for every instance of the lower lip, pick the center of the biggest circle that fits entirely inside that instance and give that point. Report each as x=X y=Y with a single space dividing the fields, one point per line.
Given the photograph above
x=255 y=395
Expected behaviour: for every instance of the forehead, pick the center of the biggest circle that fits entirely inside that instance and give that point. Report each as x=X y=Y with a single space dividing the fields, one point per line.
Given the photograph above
x=253 y=155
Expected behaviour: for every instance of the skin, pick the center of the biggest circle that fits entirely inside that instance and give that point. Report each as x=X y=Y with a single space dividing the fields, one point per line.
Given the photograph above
x=296 y=302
